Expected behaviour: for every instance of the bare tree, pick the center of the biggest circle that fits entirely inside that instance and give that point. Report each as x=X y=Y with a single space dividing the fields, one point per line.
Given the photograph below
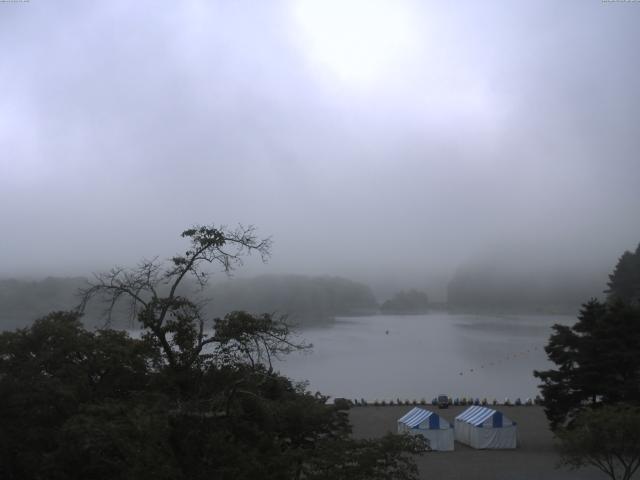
x=243 y=337
x=151 y=289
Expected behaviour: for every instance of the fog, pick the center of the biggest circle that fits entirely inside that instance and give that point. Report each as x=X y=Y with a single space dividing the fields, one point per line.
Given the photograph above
x=387 y=141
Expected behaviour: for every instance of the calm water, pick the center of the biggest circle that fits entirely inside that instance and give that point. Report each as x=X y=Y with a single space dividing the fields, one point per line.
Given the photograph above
x=414 y=357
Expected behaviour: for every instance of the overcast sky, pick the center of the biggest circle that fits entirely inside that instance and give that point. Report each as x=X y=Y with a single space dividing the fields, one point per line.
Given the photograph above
x=370 y=138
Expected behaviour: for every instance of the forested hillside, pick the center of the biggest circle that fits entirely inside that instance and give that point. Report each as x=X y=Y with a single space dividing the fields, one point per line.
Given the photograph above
x=22 y=301
x=304 y=299
x=491 y=288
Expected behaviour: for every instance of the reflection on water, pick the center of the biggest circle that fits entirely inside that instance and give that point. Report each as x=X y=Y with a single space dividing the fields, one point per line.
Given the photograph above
x=421 y=356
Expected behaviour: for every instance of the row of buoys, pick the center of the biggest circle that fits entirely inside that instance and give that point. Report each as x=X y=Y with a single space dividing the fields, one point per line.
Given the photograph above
x=496 y=362
x=463 y=401
x=503 y=359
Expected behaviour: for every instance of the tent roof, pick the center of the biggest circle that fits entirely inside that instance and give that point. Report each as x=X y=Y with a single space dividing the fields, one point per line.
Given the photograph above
x=476 y=415
x=415 y=417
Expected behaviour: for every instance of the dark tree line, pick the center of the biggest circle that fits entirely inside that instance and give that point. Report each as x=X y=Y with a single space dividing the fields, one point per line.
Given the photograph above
x=406 y=302
x=305 y=299
x=180 y=402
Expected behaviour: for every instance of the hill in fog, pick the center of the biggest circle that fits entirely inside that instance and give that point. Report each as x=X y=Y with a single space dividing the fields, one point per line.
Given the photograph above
x=505 y=287
x=22 y=301
x=304 y=299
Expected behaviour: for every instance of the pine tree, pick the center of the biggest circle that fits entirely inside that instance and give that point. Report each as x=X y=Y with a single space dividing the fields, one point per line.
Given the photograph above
x=624 y=282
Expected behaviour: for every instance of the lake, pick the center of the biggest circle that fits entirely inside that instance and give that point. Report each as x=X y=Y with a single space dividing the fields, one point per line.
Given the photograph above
x=420 y=356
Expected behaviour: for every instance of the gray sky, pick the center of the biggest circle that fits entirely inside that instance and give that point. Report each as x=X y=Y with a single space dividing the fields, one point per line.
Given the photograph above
x=370 y=138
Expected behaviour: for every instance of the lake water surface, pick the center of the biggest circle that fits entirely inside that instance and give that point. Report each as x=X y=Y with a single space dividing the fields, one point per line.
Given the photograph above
x=420 y=356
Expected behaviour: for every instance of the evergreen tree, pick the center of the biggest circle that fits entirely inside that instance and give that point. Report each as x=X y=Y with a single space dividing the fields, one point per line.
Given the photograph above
x=624 y=282
x=597 y=359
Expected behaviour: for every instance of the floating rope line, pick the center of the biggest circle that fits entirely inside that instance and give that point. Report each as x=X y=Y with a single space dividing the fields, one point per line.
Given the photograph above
x=508 y=356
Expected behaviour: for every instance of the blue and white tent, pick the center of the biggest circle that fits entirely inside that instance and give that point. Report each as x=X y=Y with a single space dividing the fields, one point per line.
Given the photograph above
x=482 y=427
x=436 y=429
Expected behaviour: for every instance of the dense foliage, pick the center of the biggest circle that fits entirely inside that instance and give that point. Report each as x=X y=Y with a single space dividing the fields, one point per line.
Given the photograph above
x=76 y=404
x=607 y=438
x=406 y=302
x=178 y=403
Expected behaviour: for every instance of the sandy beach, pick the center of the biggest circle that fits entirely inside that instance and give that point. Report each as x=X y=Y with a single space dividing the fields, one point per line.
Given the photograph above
x=534 y=459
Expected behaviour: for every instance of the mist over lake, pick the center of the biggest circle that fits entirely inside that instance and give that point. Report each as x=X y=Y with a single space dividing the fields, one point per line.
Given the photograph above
x=225 y=223
x=422 y=356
